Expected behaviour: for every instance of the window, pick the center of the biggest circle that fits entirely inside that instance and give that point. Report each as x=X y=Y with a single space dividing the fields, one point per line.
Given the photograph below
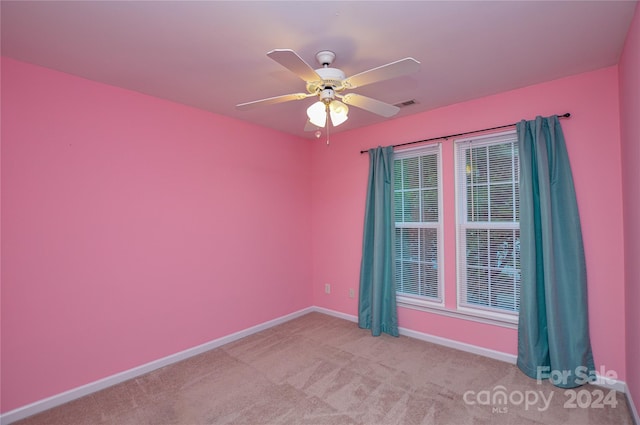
x=488 y=229
x=417 y=202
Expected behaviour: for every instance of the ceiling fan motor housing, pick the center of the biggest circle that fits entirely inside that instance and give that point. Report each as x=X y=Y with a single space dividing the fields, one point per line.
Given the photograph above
x=331 y=78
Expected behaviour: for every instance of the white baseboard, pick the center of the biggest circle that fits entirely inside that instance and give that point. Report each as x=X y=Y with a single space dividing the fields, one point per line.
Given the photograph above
x=469 y=348
x=632 y=405
x=75 y=393
x=474 y=349
x=612 y=384
x=338 y=314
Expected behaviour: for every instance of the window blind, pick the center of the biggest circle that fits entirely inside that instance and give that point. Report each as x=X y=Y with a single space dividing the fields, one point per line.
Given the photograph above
x=417 y=203
x=488 y=267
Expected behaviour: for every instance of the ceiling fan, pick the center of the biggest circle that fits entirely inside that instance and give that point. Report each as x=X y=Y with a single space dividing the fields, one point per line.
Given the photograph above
x=327 y=84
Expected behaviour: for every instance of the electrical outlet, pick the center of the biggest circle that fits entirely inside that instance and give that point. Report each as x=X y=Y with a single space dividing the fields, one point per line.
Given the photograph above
x=327 y=288
x=352 y=293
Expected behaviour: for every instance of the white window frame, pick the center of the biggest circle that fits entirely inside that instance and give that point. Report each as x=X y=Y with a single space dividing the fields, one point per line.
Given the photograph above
x=462 y=225
x=416 y=301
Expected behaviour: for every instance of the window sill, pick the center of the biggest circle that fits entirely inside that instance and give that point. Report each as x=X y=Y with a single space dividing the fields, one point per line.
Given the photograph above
x=406 y=302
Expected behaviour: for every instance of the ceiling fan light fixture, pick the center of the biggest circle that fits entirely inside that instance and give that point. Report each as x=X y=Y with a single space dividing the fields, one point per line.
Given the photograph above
x=328 y=84
x=338 y=112
x=317 y=114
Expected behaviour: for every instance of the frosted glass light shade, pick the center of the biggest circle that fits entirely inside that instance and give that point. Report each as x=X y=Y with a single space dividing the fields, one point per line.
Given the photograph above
x=338 y=112
x=317 y=114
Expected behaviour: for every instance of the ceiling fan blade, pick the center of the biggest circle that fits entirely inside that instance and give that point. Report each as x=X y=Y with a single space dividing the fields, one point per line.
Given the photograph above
x=385 y=72
x=294 y=63
x=272 y=100
x=377 y=107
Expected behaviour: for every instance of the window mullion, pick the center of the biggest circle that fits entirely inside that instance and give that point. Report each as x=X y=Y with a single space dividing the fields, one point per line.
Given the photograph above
x=402 y=188
x=488 y=164
x=513 y=181
x=489 y=279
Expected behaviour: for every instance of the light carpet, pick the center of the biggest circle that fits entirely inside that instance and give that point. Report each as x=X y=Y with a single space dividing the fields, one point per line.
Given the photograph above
x=318 y=369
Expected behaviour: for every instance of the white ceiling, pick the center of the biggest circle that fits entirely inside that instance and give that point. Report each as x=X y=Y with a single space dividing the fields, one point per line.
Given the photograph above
x=212 y=54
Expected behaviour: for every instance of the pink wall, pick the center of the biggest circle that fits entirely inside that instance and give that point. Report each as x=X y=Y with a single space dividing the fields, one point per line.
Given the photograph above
x=593 y=139
x=134 y=228
x=629 y=72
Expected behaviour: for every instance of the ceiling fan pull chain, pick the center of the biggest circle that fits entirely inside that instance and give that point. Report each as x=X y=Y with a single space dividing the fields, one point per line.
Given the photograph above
x=327 y=124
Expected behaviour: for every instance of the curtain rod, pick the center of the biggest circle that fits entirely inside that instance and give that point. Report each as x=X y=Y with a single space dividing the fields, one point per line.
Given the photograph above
x=566 y=115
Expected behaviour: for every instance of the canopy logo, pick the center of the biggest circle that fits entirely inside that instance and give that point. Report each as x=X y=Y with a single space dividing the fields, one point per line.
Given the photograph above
x=499 y=399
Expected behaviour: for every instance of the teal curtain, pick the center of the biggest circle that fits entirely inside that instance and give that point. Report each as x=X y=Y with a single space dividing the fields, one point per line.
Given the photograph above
x=553 y=329
x=377 y=296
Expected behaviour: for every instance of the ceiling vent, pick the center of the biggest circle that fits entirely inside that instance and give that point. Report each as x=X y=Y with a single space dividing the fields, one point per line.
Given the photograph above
x=406 y=103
